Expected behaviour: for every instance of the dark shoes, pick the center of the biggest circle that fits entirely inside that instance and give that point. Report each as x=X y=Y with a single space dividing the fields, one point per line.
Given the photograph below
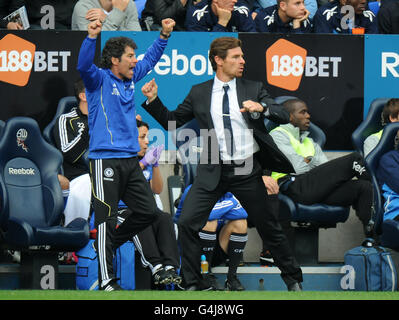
x=162 y=277
x=233 y=284
x=296 y=286
x=176 y=278
x=210 y=281
x=369 y=229
x=112 y=286
x=265 y=258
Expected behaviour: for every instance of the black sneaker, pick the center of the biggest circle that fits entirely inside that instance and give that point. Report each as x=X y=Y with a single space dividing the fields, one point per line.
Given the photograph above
x=211 y=282
x=233 y=284
x=112 y=286
x=176 y=278
x=162 y=277
x=265 y=258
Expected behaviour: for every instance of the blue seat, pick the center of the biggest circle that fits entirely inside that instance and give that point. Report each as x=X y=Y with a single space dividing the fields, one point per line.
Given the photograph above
x=2 y=125
x=388 y=229
x=370 y=125
x=64 y=106
x=31 y=199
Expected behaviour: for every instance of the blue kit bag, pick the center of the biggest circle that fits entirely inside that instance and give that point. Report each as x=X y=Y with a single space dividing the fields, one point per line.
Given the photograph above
x=87 y=267
x=373 y=267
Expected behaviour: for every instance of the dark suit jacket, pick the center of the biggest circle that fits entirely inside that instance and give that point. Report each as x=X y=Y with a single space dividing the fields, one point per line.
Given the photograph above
x=197 y=105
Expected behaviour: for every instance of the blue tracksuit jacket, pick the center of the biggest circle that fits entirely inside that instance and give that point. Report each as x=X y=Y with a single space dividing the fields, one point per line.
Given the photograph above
x=112 y=111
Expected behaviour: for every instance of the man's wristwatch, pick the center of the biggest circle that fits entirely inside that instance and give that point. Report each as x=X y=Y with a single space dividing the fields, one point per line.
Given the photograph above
x=166 y=36
x=265 y=107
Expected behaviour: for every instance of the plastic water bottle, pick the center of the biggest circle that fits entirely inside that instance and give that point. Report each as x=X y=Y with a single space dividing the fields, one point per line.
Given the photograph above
x=204 y=264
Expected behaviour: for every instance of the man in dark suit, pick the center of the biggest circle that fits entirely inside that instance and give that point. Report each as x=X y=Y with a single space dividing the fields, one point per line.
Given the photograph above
x=230 y=112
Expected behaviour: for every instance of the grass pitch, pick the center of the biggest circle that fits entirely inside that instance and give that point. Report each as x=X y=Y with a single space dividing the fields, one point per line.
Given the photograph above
x=196 y=295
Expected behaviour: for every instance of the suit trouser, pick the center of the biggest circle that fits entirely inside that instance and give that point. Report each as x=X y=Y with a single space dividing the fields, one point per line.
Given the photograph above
x=112 y=180
x=332 y=183
x=251 y=192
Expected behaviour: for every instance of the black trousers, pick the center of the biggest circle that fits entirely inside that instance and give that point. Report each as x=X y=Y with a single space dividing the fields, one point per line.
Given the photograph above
x=157 y=243
x=250 y=190
x=332 y=183
x=112 y=180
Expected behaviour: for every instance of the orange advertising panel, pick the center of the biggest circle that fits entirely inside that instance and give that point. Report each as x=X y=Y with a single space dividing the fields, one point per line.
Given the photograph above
x=285 y=63
x=16 y=60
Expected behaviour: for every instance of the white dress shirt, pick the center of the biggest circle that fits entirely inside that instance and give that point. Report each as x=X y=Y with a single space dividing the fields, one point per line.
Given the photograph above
x=245 y=144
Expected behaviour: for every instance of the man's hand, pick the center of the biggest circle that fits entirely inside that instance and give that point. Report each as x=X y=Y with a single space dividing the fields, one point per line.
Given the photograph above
x=296 y=23
x=167 y=26
x=96 y=14
x=224 y=15
x=251 y=106
x=14 y=26
x=150 y=90
x=271 y=185
x=94 y=28
x=120 y=4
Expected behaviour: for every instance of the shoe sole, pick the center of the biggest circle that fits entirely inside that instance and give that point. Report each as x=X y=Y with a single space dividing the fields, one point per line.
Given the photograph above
x=165 y=281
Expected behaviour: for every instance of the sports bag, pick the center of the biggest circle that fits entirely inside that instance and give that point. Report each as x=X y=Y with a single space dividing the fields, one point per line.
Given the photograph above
x=87 y=267
x=373 y=267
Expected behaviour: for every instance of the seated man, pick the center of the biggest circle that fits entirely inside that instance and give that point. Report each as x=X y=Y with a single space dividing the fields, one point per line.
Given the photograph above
x=157 y=10
x=115 y=15
x=157 y=243
x=219 y=16
x=45 y=14
x=288 y=16
x=71 y=135
x=388 y=179
x=390 y=113
x=317 y=180
x=223 y=237
x=329 y=19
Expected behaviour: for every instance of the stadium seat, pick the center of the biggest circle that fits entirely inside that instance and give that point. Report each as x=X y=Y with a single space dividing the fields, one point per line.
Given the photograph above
x=2 y=125
x=388 y=229
x=370 y=125
x=64 y=105
x=31 y=201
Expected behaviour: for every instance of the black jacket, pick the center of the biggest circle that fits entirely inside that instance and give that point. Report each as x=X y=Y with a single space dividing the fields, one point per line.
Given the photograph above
x=197 y=105
x=71 y=135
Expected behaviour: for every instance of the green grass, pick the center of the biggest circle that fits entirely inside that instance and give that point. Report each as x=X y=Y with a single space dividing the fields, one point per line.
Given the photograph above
x=180 y=295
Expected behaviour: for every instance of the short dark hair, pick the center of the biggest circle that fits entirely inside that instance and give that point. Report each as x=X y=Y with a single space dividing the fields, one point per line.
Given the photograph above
x=114 y=48
x=78 y=87
x=219 y=48
x=290 y=104
x=142 y=124
x=391 y=108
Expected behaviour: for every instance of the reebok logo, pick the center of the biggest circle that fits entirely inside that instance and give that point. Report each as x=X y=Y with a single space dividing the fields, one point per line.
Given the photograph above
x=285 y=63
x=358 y=168
x=21 y=171
x=16 y=60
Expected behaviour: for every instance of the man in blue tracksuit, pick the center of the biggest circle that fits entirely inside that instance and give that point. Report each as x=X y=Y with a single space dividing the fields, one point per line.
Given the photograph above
x=329 y=19
x=114 y=168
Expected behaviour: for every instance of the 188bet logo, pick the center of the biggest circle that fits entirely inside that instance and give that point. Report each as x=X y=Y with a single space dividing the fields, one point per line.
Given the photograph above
x=285 y=64
x=16 y=60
